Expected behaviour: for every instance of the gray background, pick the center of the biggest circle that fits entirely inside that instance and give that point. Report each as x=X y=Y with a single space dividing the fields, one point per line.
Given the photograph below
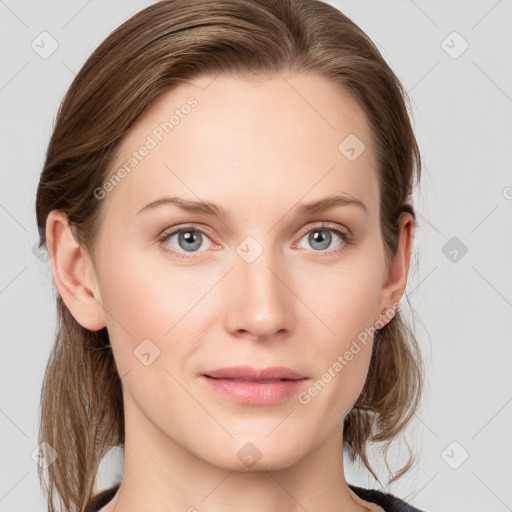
x=462 y=112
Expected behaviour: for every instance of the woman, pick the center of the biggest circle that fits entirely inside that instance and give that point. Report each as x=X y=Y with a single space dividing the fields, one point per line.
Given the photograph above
x=272 y=139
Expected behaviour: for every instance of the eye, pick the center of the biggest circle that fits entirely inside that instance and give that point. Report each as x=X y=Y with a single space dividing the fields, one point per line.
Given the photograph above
x=320 y=237
x=188 y=239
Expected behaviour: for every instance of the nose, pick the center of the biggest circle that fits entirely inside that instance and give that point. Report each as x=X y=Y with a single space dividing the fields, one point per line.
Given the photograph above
x=260 y=303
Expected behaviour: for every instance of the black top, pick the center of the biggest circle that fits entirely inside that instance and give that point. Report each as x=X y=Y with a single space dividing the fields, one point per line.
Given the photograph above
x=388 y=502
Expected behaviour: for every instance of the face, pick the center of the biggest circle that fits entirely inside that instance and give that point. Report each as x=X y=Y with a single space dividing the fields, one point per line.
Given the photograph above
x=266 y=283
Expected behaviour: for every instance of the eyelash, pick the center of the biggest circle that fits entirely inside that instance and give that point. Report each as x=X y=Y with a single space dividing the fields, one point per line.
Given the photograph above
x=346 y=236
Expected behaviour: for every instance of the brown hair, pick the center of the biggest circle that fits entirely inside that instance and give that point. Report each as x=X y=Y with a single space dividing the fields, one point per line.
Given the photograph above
x=153 y=52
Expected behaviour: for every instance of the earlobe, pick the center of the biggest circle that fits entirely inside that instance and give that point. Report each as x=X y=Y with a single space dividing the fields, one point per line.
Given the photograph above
x=396 y=274
x=74 y=274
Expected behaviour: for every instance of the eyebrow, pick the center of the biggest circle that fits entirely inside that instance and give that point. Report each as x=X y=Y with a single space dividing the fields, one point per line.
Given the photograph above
x=209 y=208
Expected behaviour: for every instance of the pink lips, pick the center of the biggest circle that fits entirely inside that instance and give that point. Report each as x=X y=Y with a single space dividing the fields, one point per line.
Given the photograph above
x=248 y=385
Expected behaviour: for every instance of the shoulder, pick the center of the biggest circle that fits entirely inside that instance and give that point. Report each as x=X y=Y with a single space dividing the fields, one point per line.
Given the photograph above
x=387 y=501
x=98 y=501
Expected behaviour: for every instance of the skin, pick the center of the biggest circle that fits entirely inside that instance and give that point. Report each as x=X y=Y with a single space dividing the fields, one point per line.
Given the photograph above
x=257 y=148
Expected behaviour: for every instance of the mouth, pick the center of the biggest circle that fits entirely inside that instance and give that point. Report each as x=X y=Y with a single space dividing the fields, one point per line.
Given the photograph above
x=250 y=374
x=252 y=386
x=261 y=381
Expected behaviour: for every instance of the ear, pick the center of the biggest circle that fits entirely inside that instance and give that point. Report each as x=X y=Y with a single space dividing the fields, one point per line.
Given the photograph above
x=74 y=273
x=395 y=278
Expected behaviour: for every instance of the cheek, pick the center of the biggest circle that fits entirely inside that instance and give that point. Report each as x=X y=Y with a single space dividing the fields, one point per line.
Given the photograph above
x=344 y=298
x=140 y=298
x=350 y=372
x=161 y=305
x=134 y=304
x=343 y=359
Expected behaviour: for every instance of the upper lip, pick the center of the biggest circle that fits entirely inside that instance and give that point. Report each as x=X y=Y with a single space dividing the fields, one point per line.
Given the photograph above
x=254 y=374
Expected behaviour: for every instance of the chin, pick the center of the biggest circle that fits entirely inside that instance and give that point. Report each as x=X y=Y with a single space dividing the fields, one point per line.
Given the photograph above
x=257 y=455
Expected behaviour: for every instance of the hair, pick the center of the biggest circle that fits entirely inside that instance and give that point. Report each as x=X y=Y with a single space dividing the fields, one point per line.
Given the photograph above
x=153 y=52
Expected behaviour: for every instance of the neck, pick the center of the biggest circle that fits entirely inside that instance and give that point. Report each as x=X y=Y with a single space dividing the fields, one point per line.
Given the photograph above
x=161 y=475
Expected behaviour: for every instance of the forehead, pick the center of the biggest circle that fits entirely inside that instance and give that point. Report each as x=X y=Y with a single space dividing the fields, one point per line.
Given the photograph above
x=246 y=144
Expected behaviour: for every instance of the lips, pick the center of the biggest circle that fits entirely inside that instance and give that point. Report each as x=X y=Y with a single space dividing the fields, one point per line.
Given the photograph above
x=255 y=386
x=251 y=374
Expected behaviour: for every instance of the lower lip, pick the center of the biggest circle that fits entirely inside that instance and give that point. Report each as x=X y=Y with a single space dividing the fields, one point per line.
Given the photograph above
x=255 y=393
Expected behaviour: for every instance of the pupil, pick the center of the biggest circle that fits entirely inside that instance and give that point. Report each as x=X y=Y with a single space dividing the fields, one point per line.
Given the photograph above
x=324 y=239
x=190 y=237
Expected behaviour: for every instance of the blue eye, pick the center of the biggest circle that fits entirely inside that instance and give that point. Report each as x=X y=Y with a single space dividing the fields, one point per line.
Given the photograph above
x=189 y=239
x=320 y=237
